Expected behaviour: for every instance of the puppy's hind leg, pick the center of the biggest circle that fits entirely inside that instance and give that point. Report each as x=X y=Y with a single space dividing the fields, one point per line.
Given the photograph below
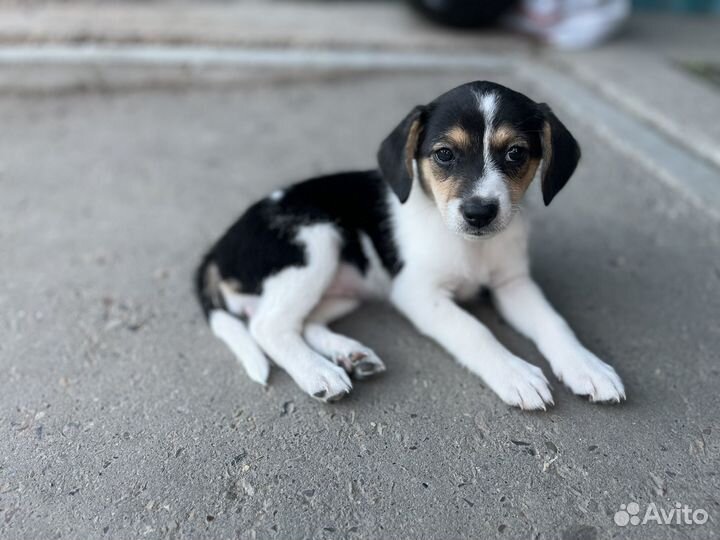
x=236 y=336
x=358 y=360
x=287 y=299
x=224 y=306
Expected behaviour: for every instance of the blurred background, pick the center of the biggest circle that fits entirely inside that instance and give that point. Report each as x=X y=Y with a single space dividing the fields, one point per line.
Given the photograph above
x=133 y=133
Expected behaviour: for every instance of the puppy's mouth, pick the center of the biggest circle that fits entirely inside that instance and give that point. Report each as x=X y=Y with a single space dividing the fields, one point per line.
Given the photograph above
x=483 y=232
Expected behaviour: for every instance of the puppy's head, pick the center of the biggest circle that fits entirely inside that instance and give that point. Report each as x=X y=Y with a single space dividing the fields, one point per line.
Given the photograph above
x=474 y=151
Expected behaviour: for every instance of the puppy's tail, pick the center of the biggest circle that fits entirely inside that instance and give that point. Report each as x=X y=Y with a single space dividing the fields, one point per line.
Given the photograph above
x=231 y=330
x=207 y=285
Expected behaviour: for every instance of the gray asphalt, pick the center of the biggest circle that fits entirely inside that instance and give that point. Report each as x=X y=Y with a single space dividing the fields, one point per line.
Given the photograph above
x=121 y=416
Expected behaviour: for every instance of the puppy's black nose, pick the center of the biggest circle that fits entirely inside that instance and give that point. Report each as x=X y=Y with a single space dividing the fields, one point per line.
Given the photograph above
x=479 y=212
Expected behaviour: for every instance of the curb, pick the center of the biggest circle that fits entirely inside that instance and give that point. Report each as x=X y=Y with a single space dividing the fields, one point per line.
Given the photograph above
x=685 y=172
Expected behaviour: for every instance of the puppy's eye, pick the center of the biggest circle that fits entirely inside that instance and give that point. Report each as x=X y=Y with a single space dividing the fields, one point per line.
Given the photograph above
x=444 y=156
x=515 y=154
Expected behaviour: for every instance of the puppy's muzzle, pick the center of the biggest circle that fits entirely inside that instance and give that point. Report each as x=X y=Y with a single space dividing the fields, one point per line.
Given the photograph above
x=479 y=212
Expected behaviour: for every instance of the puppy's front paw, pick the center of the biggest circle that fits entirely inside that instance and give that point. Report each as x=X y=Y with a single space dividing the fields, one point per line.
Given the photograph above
x=520 y=384
x=586 y=375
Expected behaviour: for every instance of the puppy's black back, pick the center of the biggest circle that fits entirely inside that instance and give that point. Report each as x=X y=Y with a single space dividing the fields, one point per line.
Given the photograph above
x=262 y=241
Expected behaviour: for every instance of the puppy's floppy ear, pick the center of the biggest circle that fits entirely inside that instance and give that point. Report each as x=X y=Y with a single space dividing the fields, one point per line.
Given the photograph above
x=561 y=154
x=398 y=150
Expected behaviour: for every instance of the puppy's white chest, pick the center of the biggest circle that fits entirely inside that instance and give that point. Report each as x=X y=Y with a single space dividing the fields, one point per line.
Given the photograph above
x=437 y=255
x=429 y=248
x=461 y=266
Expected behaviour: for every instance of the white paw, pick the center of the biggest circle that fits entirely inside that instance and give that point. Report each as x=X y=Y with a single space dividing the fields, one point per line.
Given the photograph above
x=520 y=384
x=361 y=362
x=586 y=375
x=325 y=381
x=258 y=371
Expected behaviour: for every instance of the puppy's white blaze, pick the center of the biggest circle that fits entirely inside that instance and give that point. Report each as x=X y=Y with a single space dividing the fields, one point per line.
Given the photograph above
x=277 y=195
x=492 y=185
x=237 y=337
x=488 y=106
x=487 y=103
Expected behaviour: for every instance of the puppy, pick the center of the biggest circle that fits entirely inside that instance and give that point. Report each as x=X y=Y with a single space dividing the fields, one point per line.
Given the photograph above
x=437 y=222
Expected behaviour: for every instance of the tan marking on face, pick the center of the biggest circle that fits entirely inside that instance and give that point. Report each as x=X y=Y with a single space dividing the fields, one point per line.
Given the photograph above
x=442 y=188
x=520 y=181
x=458 y=137
x=411 y=145
x=504 y=137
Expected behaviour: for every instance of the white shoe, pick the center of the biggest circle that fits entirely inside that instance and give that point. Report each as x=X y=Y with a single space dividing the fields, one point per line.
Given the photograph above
x=569 y=24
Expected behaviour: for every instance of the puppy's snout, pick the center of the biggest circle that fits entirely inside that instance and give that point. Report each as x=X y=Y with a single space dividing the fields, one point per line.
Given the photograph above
x=479 y=212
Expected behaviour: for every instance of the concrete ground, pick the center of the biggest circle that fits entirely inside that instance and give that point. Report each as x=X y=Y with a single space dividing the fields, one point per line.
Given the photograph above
x=121 y=417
